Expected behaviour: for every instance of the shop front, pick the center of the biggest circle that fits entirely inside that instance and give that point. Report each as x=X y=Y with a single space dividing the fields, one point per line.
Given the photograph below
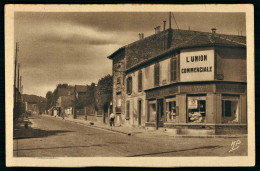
x=197 y=108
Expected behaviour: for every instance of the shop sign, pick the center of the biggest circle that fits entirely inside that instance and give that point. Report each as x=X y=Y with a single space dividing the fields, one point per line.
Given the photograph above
x=196 y=88
x=161 y=92
x=192 y=103
x=197 y=65
x=236 y=88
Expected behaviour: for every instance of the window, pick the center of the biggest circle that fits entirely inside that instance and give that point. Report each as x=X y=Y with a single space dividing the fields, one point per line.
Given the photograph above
x=129 y=85
x=230 y=109
x=127 y=109
x=152 y=111
x=173 y=69
x=196 y=109
x=171 y=110
x=156 y=74
x=118 y=80
x=140 y=86
x=118 y=102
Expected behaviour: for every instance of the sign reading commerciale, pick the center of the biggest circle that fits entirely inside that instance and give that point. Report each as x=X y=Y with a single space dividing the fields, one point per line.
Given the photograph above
x=197 y=65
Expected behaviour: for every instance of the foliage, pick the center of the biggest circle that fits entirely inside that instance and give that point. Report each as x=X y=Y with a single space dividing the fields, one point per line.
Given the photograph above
x=104 y=91
x=49 y=97
x=91 y=97
x=52 y=97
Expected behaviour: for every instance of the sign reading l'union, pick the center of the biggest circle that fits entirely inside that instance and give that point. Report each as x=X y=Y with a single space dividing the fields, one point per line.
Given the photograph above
x=197 y=65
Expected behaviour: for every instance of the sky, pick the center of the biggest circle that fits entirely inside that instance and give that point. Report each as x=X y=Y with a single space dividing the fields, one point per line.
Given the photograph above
x=72 y=47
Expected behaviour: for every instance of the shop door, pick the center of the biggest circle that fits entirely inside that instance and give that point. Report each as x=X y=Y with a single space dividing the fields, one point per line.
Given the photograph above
x=159 y=117
x=139 y=112
x=230 y=111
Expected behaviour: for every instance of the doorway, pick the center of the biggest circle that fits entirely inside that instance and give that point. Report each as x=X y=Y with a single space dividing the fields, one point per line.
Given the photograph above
x=160 y=113
x=139 y=111
x=230 y=111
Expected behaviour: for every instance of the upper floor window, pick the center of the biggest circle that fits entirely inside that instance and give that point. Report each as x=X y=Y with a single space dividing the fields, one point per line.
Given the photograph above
x=173 y=69
x=156 y=74
x=129 y=85
x=118 y=80
x=140 y=85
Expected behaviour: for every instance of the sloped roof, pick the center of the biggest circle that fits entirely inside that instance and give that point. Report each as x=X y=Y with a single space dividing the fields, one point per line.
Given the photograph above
x=199 y=39
x=63 y=91
x=81 y=88
x=161 y=42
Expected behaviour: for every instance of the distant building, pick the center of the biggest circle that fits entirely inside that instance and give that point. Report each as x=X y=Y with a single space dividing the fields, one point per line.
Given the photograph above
x=182 y=80
x=34 y=104
x=65 y=102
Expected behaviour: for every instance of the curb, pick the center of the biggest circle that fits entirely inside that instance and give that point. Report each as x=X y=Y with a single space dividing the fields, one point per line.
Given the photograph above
x=167 y=134
x=97 y=127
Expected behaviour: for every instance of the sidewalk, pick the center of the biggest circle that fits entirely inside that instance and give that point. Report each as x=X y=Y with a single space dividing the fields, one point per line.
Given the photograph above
x=127 y=130
x=131 y=130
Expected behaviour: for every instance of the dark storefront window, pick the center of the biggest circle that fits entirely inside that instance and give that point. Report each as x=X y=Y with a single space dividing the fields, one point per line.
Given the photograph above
x=171 y=110
x=156 y=74
x=140 y=85
x=127 y=109
x=230 y=109
x=196 y=109
x=152 y=111
x=129 y=85
x=173 y=69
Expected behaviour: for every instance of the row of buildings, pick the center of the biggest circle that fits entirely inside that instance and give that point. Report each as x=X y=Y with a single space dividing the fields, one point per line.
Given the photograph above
x=66 y=100
x=183 y=81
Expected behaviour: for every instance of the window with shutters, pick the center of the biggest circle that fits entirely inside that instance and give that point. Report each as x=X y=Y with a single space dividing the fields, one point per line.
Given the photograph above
x=156 y=74
x=173 y=69
x=129 y=85
x=140 y=85
x=127 y=109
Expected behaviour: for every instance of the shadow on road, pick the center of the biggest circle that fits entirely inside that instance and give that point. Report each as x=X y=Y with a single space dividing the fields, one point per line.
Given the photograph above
x=25 y=133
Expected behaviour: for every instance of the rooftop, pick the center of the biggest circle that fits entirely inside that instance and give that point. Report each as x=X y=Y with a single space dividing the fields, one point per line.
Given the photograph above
x=173 y=39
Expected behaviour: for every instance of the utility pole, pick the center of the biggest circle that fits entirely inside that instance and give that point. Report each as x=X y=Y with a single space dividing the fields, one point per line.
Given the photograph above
x=18 y=77
x=170 y=20
x=15 y=64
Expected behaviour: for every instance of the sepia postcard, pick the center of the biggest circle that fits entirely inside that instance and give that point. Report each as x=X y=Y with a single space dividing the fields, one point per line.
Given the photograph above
x=129 y=85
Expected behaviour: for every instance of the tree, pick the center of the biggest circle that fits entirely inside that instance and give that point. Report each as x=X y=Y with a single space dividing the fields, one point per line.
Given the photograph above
x=52 y=97
x=91 y=98
x=104 y=92
x=49 y=96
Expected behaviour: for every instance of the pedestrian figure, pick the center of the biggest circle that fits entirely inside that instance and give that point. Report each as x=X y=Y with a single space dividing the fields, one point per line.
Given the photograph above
x=112 y=119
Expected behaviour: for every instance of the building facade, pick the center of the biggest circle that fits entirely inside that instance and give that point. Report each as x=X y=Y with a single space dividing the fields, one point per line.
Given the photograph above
x=183 y=81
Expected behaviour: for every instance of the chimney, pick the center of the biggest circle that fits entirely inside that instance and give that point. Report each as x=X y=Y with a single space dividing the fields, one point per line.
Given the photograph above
x=141 y=36
x=213 y=30
x=157 y=29
x=164 y=25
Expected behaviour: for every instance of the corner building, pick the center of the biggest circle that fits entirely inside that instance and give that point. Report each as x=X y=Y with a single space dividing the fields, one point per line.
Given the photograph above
x=187 y=82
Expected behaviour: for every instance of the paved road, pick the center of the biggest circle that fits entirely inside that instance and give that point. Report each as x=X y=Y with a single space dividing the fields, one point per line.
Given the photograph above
x=53 y=137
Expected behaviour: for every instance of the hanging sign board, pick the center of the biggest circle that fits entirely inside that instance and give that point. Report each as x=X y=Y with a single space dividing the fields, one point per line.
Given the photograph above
x=192 y=103
x=197 y=65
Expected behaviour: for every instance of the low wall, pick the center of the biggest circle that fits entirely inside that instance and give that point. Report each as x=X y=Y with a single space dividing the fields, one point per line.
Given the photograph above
x=100 y=118
x=91 y=117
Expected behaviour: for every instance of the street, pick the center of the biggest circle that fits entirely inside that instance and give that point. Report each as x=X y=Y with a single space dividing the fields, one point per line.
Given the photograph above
x=54 y=137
